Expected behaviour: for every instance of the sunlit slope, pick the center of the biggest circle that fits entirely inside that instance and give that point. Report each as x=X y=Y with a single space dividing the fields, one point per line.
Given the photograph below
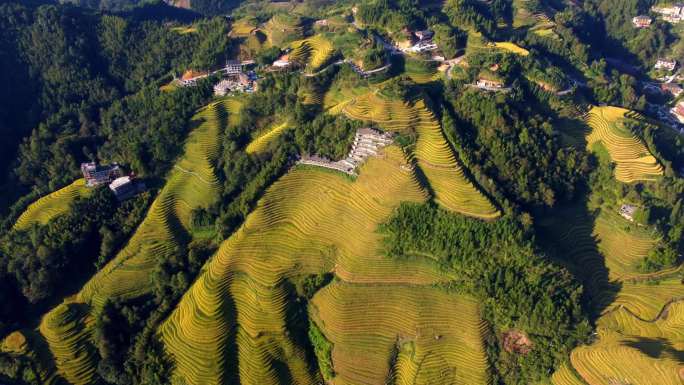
x=66 y=331
x=261 y=142
x=190 y=184
x=314 y=52
x=622 y=359
x=437 y=337
x=52 y=205
x=434 y=156
x=624 y=245
x=640 y=320
x=311 y=221
x=633 y=161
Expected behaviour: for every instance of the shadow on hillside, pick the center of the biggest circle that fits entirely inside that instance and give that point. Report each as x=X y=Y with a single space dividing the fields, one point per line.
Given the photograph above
x=657 y=348
x=566 y=235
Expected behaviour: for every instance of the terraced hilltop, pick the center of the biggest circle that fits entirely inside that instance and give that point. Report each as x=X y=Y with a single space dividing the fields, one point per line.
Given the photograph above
x=309 y=222
x=192 y=183
x=52 y=205
x=433 y=154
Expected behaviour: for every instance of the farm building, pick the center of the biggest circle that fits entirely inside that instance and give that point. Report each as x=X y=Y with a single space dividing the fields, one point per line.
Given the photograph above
x=191 y=77
x=666 y=64
x=96 y=175
x=678 y=111
x=628 y=211
x=641 y=21
x=126 y=187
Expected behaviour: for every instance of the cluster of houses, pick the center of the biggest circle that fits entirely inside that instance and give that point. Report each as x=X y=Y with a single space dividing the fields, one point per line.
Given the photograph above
x=422 y=41
x=367 y=142
x=672 y=13
x=123 y=186
x=233 y=79
x=665 y=64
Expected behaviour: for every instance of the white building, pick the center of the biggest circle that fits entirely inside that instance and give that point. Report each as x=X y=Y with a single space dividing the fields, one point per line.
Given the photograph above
x=422 y=46
x=488 y=84
x=666 y=64
x=282 y=62
x=424 y=35
x=641 y=21
x=675 y=9
x=126 y=187
x=233 y=67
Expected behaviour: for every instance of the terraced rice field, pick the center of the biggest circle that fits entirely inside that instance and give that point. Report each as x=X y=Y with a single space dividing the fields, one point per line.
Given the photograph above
x=315 y=52
x=261 y=142
x=632 y=159
x=636 y=324
x=437 y=337
x=282 y=28
x=308 y=222
x=52 y=205
x=620 y=359
x=243 y=27
x=434 y=156
x=623 y=245
x=565 y=375
x=66 y=331
x=190 y=184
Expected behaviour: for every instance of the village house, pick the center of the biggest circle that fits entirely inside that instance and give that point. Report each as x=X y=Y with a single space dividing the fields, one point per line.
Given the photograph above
x=672 y=10
x=126 y=187
x=424 y=35
x=191 y=77
x=240 y=82
x=367 y=142
x=671 y=88
x=489 y=84
x=233 y=67
x=641 y=21
x=678 y=112
x=628 y=211
x=666 y=64
x=282 y=62
x=321 y=22
x=96 y=175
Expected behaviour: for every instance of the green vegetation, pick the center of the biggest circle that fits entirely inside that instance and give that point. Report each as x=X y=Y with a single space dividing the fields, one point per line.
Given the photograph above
x=323 y=350
x=492 y=243
x=499 y=264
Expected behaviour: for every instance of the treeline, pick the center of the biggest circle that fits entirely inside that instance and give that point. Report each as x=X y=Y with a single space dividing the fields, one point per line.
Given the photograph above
x=503 y=138
x=499 y=263
x=34 y=262
x=66 y=66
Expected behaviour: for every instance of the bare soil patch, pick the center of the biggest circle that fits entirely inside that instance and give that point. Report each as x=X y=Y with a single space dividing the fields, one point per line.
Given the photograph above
x=516 y=341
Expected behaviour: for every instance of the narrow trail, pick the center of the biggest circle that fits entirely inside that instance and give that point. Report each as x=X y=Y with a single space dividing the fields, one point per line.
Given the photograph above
x=193 y=173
